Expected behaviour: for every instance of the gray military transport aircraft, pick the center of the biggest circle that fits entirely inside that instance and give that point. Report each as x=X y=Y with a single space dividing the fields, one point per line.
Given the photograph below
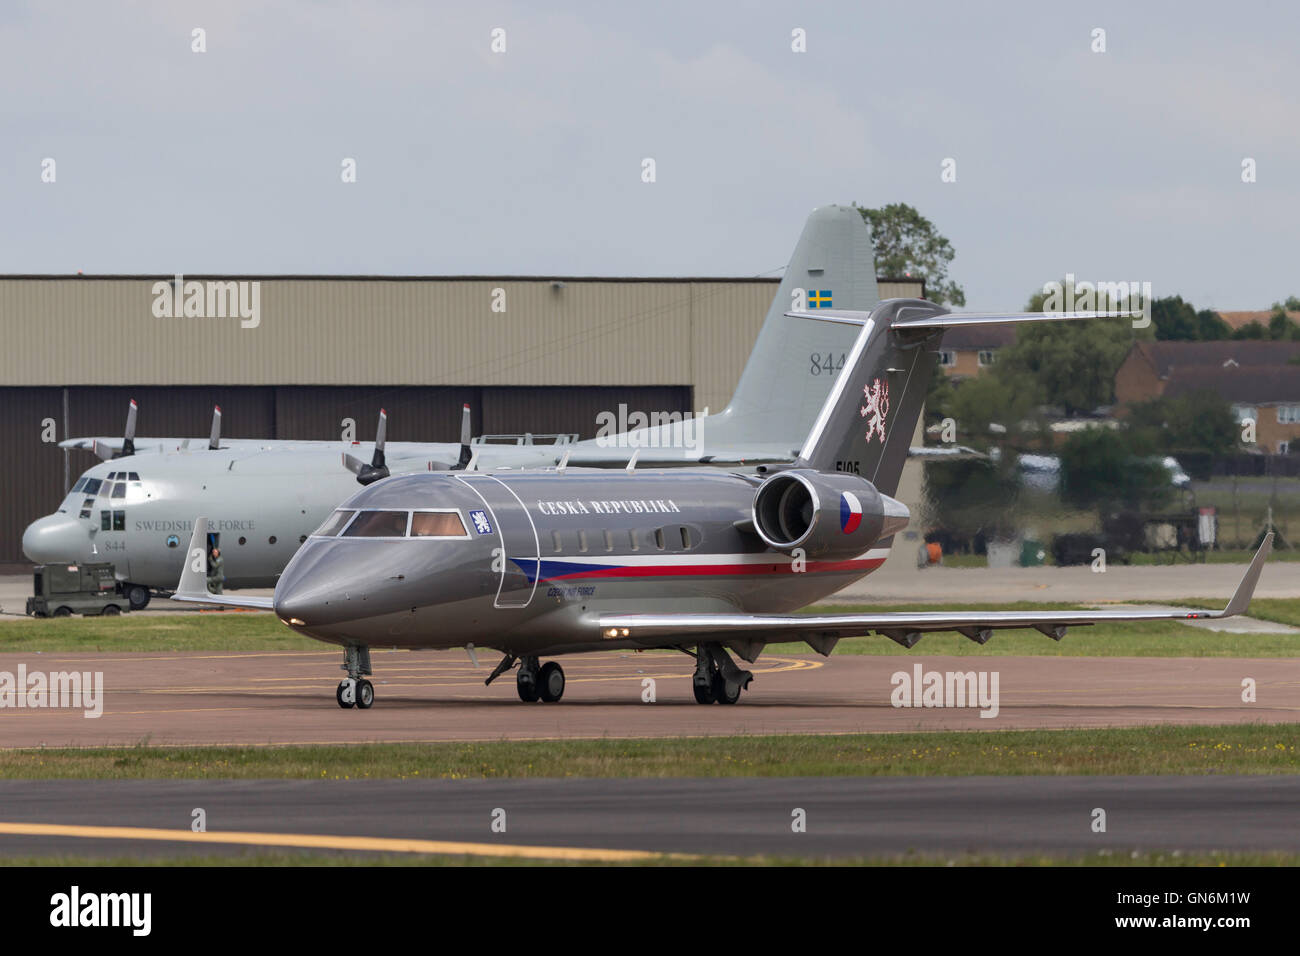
x=541 y=563
x=263 y=498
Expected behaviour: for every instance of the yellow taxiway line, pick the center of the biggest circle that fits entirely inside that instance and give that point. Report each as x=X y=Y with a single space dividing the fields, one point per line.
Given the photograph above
x=319 y=841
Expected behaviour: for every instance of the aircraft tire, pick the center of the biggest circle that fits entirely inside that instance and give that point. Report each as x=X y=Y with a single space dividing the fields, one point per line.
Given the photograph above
x=550 y=682
x=720 y=691
x=703 y=693
x=346 y=702
x=365 y=694
x=528 y=691
x=138 y=595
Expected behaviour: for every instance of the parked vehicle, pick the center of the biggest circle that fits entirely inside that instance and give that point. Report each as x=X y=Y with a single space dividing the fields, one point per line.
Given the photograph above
x=63 y=589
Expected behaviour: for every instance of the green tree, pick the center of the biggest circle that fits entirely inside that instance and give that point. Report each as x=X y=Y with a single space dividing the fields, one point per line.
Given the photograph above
x=1099 y=469
x=1073 y=364
x=1177 y=320
x=1251 y=331
x=1292 y=304
x=1280 y=325
x=907 y=244
x=1002 y=397
x=1199 y=421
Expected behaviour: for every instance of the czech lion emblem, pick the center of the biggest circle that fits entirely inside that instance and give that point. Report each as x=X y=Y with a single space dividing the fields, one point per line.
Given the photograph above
x=877 y=408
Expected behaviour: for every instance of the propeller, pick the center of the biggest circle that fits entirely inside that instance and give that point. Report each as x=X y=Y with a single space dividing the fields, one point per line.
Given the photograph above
x=369 y=474
x=465 y=435
x=214 y=440
x=106 y=452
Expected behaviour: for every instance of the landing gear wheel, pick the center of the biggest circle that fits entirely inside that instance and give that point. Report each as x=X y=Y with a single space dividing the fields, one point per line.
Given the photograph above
x=366 y=694
x=721 y=693
x=703 y=693
x=528 y=691
x=138 y=595
x=346 y=695
x=550 y=682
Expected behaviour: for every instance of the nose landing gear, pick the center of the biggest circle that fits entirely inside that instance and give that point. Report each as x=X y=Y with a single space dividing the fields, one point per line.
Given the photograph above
x=354 y=690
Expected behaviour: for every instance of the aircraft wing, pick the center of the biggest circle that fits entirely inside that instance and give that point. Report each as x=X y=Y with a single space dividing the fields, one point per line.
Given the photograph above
x=193 y=585
x=906 y=627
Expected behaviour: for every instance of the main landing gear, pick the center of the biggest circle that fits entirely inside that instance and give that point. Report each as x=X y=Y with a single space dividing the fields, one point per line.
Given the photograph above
x=544 y=682
x=354 y=690
x=717 y=678
x=535 y=681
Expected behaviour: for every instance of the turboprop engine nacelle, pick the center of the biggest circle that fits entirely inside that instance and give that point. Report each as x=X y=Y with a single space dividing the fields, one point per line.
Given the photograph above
x=827 y=515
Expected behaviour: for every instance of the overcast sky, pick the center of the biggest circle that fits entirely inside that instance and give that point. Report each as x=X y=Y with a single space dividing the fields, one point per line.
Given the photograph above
x=1122 y=165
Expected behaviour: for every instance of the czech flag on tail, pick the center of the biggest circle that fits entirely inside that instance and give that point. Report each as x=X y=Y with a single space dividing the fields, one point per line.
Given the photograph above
x=850 y=512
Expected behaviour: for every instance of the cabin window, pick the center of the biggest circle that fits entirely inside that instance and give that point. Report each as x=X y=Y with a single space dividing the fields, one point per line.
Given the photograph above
x=556 y=545
x=106 y=521
x=378 y=524
x=135 y=476
x=437 y=524
x=81 y=483
x=334 y=523
x=92 y=486
x=119 y=520
x=582 y=541
x=609 y=540
x=119 y=489
x=659 y=538
x=686 y=538
x=634 y=543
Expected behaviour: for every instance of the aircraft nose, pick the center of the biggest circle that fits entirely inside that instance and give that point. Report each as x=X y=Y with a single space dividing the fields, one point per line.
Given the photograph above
x=56 y=538
x=307 y=593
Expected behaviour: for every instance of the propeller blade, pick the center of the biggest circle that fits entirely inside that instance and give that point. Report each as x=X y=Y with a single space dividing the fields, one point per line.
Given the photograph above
x=128 y=437
x=378 y=467
x=353 y=464
x=103 y=452
x=214 y=440
x=466 y=434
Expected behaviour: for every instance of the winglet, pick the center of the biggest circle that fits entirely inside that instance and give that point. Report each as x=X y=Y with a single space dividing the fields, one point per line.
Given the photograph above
x=1240 y=602
x=194 y=574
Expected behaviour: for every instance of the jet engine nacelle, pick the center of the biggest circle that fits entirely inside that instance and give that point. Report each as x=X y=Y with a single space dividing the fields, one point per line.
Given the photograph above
x=827 y=515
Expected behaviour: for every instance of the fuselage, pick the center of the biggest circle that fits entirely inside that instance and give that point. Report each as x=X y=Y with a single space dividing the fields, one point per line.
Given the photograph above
x=525 y=560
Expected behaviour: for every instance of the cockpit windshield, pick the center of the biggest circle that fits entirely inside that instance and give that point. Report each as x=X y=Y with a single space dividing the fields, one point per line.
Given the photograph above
x=437 y=524
x=393 y=524
x=378 y=524
x=334 y=523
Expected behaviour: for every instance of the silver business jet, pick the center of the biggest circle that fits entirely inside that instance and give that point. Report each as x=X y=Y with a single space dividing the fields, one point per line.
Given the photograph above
x=541 y=563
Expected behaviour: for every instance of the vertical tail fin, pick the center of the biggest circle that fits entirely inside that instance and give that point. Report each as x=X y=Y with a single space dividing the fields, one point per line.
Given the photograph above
x=780 y=392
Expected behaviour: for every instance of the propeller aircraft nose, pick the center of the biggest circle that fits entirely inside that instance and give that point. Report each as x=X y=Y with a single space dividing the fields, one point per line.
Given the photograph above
x=56 y=538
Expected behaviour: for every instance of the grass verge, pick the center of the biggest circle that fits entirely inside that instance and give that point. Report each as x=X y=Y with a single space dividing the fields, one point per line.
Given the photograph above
x=1237 y=749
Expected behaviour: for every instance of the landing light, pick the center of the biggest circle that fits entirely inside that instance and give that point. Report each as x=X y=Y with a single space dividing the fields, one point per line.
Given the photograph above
x=612 y=632
x=297 y=622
